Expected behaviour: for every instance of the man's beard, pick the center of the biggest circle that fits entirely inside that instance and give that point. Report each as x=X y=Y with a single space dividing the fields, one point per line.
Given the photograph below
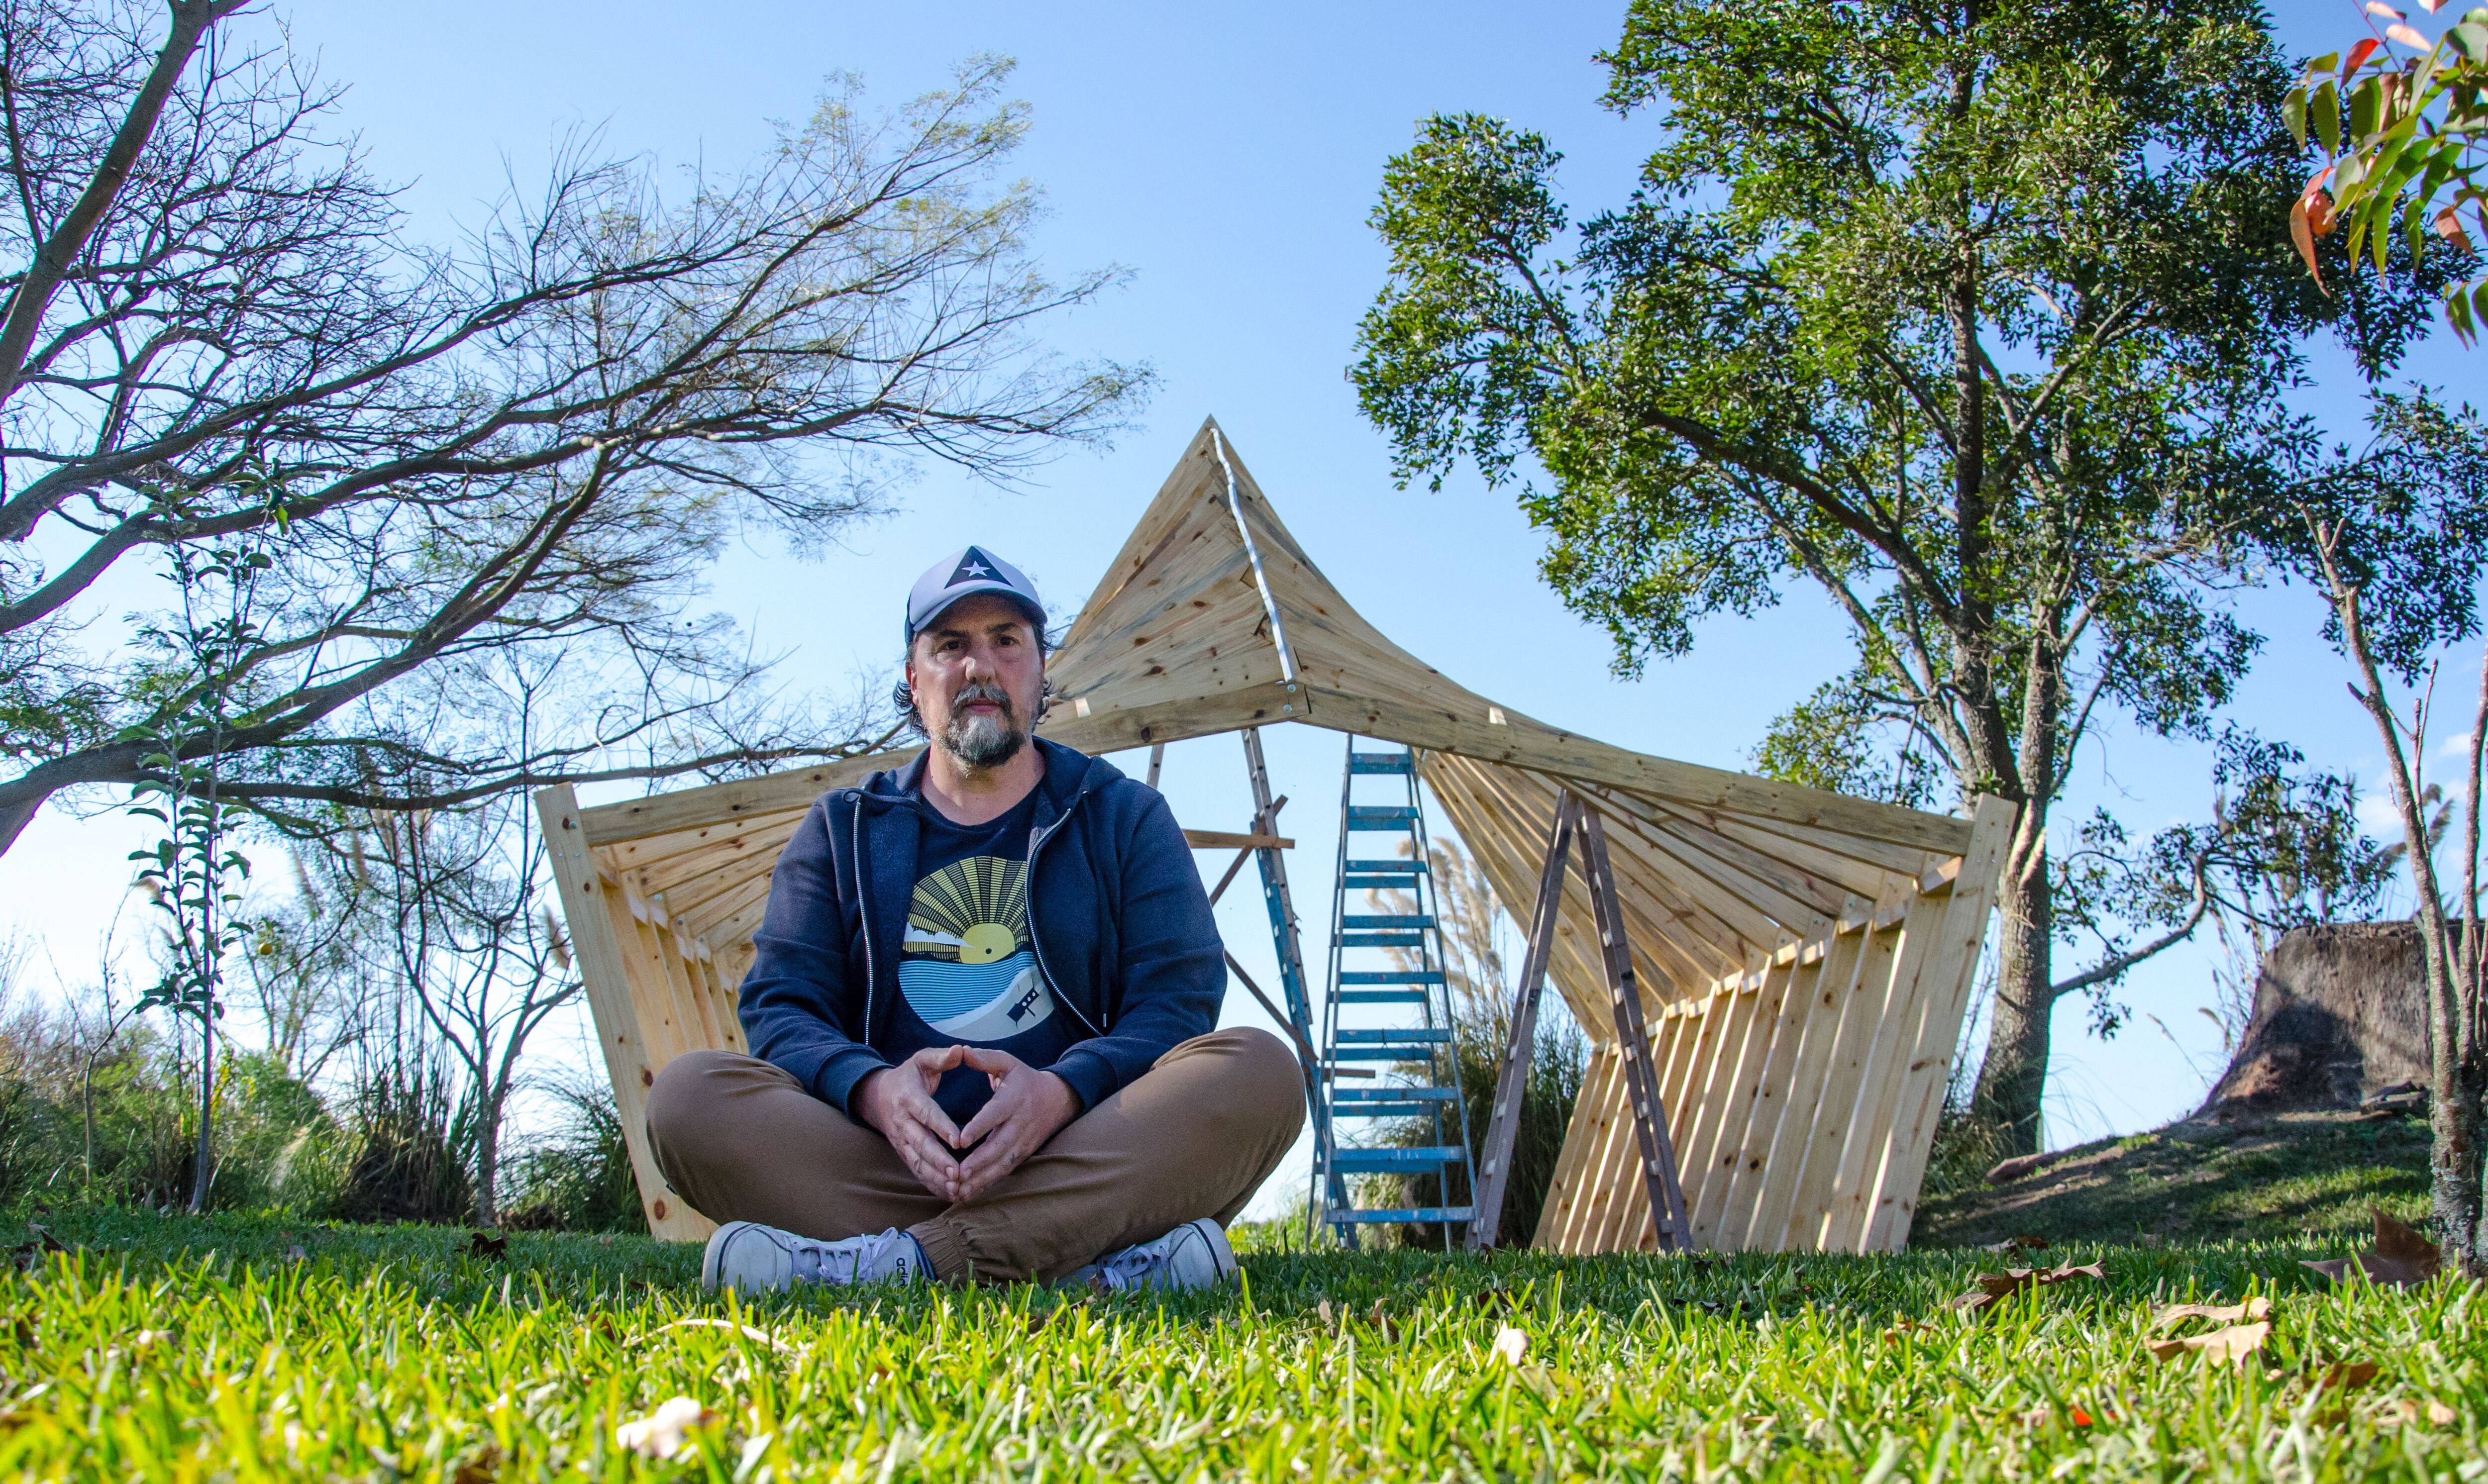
x=981 y=741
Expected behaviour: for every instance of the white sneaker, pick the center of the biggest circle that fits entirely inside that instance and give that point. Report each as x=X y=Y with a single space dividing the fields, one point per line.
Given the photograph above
x=1193 y=1255
x=759 y=1259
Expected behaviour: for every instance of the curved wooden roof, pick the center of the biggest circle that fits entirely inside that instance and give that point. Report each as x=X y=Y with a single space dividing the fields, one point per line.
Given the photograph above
x=1213 y=617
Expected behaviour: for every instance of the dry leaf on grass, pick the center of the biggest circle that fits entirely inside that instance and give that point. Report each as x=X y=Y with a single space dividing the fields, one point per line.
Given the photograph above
x=1994 y=1286
x=2257 y=1307
x=1381 y=1319
x=2234 y=1345
x=483 y=1468
x=2348 y=1375
x=2402 y=1258
x=2406 y=1409
x=663 y=1433
x=30 y=1253
x=1510 y=1346
x=2018 y=1245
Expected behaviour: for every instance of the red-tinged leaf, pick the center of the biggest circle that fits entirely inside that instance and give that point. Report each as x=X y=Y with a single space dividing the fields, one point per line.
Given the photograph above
x=2376 y=8
x=2321 y=219
x=2449 y=227
x=2407 y=36
x=2358 y=58
x=2301 y=234
x=2433 y=6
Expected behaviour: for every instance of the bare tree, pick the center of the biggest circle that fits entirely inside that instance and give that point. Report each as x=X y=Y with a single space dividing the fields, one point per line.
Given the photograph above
x=2396 y=542
x=538 y=436
x=311 y=979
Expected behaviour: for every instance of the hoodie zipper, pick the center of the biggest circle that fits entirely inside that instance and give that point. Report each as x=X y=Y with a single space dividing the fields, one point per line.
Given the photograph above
x=1038 y=842
x=863 y=911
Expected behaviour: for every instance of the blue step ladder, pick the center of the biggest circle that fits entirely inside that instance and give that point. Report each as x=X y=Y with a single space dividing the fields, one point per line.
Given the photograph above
x=1389 y=1007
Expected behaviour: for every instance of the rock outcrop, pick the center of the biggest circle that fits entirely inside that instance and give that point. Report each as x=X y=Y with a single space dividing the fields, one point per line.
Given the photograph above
x=2338 y=1015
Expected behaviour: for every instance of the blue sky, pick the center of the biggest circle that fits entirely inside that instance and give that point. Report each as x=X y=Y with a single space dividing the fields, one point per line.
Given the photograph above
x=1227 y=157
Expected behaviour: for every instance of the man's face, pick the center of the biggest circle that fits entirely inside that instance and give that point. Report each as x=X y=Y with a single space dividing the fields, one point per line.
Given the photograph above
x=978 y=677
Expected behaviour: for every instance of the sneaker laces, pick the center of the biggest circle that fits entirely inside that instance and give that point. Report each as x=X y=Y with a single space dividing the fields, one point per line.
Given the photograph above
x=838 y=1262
x=1134 y=1266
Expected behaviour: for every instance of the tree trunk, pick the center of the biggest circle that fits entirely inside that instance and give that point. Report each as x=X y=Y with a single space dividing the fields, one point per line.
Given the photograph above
x=488 y=1161
x=204 y=1168
x=2014 y=1077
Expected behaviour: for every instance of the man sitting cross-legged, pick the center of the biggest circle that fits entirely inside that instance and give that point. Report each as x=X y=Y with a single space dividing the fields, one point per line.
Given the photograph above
x=981 y=1006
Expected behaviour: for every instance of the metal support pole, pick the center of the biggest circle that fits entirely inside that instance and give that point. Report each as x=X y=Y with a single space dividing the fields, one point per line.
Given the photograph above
x=1632 y=1037
x=1503 y=1128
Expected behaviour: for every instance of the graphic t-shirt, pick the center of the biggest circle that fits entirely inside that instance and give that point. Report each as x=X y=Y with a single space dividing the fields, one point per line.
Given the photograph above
x=966 y=970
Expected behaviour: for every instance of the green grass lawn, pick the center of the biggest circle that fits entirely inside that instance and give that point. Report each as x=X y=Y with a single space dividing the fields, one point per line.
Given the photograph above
x=2291 y=1175
x=170 y=1349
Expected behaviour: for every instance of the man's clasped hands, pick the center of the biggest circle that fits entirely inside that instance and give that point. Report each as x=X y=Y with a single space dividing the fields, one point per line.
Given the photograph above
x=1028 y=1106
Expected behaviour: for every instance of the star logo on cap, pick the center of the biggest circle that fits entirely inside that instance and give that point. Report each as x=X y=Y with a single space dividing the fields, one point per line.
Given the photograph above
x=972 y=568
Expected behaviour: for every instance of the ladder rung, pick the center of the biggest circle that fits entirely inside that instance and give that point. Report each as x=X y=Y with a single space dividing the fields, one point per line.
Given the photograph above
x=1392 y=976
x=1381 y=996
x=1366 y=1162
x=1387 y=920
x=1383 y=939
x=1381 y=816
x=1380 y=763
x=1375 y=882
x=1389 y=867
x=1385 y=1110
x=1413 y=1035
x=1392 y=1095
x=1401 y=1214
x=1401 y=1051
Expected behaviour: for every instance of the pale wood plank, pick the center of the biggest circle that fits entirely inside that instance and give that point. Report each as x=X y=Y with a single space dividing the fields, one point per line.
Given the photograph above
x=1951 y=974
x=590 y=909
x=1833 y=1122
x=1843 y=1223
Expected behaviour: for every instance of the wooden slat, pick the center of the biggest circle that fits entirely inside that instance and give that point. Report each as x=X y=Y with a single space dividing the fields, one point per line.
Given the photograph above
x=1568 y=1193
x=1101 y=731
x=1829 y=1126
x=1520 y=743
x=1704 y=1180
x=1222 y=840
x=1786 y=1163
x=1949 y=978
x=702 y=855
x=1841 y=1227
x=590 y=909
x=1772 y=1030
x=1779 y=1084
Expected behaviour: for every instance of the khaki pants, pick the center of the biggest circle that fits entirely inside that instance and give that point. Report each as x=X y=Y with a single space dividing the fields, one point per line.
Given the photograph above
x=1194 y=1136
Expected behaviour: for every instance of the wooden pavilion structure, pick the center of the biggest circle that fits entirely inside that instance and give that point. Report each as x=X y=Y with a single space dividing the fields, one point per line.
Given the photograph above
x=1801 y=960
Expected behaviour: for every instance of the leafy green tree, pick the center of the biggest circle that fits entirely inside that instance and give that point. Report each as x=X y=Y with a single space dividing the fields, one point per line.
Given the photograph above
x=1968 y=314
x=2403 y=135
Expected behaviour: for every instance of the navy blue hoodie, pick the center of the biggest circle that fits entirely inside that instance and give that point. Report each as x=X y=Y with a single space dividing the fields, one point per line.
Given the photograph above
x=1117 y=915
